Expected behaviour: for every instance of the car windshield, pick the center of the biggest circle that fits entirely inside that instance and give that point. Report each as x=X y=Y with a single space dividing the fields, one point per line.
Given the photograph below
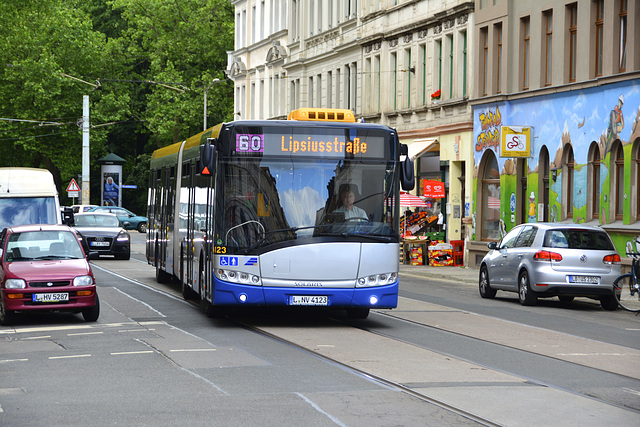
x=578 y=239
x=42 y=245
x=96 y=221
x=27 y=210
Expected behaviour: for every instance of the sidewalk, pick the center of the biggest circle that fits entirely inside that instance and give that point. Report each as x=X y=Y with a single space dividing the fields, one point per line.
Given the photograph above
x=465 y=275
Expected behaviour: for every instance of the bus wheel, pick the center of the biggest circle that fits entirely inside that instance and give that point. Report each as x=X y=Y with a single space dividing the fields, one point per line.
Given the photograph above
x=357 y=313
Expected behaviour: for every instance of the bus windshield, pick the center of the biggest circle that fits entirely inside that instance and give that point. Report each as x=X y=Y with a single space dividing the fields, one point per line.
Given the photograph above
x=28 y=210
x=269 y=200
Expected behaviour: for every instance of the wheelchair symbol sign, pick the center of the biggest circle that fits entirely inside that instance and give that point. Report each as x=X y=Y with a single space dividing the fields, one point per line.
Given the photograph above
x=229 y=261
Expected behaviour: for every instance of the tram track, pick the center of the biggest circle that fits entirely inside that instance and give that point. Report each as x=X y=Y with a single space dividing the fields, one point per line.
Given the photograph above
x=412 y=357
x=368 y=375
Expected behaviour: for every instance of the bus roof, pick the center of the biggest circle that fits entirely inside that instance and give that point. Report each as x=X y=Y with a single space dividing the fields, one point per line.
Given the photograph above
x=192 y=141
x=26 y=182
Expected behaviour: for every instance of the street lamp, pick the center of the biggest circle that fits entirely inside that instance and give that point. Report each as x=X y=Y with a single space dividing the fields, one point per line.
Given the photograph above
x=216 y=80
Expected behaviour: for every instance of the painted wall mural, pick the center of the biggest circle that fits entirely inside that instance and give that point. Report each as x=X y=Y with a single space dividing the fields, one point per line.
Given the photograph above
x=602 y=115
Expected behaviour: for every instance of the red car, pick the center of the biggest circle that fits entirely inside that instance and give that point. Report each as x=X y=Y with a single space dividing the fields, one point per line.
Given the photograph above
x=43 y=267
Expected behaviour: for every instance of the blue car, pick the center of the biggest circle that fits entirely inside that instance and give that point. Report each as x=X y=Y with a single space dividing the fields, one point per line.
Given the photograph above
x=135 y=222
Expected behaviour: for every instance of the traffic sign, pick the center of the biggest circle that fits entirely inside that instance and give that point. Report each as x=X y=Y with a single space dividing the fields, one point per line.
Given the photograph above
x=73 y=186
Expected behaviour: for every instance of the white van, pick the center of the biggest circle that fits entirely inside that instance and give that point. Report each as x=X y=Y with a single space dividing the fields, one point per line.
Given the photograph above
x=28 y=196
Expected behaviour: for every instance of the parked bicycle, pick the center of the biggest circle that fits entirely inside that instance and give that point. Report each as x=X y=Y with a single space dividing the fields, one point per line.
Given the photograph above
x=627 y=286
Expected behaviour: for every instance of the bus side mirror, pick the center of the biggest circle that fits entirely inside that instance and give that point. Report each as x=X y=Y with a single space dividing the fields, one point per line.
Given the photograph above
x=207 y=161
x=407 y=176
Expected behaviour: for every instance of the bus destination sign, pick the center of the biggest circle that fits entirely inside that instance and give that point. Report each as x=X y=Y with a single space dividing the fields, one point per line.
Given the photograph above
x=319 y=144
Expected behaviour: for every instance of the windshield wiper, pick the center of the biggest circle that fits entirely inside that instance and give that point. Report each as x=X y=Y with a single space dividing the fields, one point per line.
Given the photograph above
x=45 y=257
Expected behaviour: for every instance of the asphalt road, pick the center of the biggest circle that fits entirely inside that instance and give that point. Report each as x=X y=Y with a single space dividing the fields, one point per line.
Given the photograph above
x=153 y=358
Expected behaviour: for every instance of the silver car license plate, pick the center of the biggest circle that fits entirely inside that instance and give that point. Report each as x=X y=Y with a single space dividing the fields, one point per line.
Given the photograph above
x=591 y=280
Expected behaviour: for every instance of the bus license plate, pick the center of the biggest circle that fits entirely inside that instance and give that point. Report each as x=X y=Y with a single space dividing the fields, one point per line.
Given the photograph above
x=51 y=297
x=584 y=279
x=309 y=300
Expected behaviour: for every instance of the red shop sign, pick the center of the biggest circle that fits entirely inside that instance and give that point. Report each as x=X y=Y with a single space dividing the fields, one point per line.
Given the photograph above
x=433 y=189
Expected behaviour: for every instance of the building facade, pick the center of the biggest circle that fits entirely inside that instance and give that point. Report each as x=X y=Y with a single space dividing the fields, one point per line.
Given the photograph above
x=401 y=63
x=556 y=109
x=527 y=111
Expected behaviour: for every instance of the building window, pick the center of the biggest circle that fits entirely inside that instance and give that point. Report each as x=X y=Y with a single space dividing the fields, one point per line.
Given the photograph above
x=526 y=51
x=490 y=197
x=623 y=35
x=329 y=89
x=450 y=65
x=595 y=180
x=319 y=91
x=548 y=47
x=599 y=27
x=439 y=53
x=378 y=77
x=568 y=170
x=407 y=68
x=484 y=51
x=498 y=53
x=294 y=19
x=394 y=77
x=423 y=71
x=573 y=40
x=617 y=169
x=464 y=63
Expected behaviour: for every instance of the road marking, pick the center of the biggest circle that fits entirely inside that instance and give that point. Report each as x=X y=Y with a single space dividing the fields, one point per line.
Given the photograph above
x=85 y=333
x=37 y=338
x=131 y=352
x=75 y=356
x=141 y=302
x=13 y=360
x=192 y=349
x=632 y=391
x=593 y=354
x=319 y=409
x=46 y=329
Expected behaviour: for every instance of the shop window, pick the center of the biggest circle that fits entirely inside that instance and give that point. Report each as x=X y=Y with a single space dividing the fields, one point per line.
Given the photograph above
x=594 y=181
x=617 y=180
x=568 y=173
x=489 y=197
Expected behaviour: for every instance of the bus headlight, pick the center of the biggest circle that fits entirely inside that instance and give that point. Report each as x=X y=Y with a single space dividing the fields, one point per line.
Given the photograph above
x=377 y=280
x=238 y=277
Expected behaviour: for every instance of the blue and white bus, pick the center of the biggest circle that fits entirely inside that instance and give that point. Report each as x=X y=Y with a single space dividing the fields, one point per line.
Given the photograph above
x=249 y=213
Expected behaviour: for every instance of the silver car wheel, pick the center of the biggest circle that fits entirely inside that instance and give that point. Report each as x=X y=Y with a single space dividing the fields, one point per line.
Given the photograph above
x=485 y=288
x=525 y=294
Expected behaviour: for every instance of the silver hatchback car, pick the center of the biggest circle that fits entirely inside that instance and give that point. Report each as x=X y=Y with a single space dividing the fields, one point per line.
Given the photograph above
x=552 y=259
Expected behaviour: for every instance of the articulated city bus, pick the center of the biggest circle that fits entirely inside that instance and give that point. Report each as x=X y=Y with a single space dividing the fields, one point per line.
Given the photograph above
x=28 y=196
x=250 y=213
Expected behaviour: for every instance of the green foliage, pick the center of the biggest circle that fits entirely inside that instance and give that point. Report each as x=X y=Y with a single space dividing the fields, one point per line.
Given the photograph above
x=151 y=61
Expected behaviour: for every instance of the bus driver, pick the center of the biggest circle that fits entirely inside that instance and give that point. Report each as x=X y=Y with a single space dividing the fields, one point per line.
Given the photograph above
x=347 y=197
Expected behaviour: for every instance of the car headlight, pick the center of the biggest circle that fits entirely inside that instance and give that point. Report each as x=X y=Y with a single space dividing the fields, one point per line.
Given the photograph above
x=83 y=281
x=123 y=237
x=15 y=284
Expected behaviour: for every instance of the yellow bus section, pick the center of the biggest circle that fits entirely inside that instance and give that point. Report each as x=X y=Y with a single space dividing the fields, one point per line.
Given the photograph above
x=323 y=115
x=192 y=141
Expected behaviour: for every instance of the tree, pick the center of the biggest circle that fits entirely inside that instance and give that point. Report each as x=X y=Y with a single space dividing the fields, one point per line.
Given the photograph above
x=150 y=59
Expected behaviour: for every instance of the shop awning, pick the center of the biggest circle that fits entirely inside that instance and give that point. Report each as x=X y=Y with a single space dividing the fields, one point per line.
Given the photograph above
x=425 y=145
